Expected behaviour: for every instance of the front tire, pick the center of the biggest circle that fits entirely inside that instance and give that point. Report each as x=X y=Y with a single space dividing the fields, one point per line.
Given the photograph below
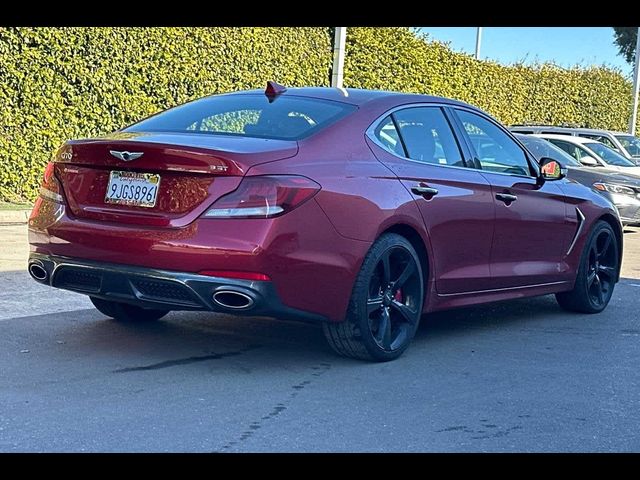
x=124 y=312
x=385 y=306
x=597 y=273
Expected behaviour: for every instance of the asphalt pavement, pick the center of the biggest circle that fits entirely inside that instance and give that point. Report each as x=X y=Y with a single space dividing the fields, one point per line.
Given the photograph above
x=518 y=376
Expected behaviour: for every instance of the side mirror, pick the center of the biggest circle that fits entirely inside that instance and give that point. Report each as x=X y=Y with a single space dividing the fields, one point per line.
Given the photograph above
x=589 y=161
x=551 y=170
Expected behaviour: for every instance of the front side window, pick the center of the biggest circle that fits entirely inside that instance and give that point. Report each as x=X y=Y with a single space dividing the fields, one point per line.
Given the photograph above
x=427 y=136
x=495 y=150
x=608 y=155
x=630 y=143
x=283 y=118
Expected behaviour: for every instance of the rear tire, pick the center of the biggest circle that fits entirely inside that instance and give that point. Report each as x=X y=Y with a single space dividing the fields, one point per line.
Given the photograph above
x=124 y=312
x=385 y=306
x=597 y=273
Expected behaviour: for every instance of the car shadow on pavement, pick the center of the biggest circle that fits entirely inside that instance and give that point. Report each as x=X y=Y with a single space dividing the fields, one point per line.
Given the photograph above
x=192 y=337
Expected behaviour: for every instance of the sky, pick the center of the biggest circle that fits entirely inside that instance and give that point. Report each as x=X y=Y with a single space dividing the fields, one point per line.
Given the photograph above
x=567 y=46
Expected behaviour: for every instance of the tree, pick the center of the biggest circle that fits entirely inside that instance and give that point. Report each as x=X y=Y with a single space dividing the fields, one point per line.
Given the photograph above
x=625 y=39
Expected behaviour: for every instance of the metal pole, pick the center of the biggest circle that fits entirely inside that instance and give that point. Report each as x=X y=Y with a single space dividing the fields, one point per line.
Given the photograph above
x=338 y=56
x=636 y=83
x=478 y=42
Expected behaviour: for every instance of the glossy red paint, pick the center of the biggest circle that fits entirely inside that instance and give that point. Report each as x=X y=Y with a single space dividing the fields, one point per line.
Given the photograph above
x=475 y=249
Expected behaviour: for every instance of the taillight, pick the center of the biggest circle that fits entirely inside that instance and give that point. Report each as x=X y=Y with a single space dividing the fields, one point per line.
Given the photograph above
x=50 y=188
x=264 y=197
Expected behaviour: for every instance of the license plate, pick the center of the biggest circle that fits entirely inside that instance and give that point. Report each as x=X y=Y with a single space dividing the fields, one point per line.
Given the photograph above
x=132 y=188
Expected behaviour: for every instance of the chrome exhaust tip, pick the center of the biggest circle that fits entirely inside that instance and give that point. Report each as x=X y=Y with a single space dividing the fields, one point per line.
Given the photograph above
x=232 y=300
x=38 y=272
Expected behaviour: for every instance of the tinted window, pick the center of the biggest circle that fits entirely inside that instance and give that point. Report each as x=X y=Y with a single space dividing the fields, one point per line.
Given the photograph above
x=427 y=136
x=286 y=118
x=608 y=155
x=388 y=137
x=495 y=150
x=543 y=149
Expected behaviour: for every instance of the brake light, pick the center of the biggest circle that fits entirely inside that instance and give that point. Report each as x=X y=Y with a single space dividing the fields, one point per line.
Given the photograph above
x=264 y=197
x=50 y=187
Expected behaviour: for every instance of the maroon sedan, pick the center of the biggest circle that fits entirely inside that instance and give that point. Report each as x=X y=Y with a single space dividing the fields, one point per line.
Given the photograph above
x=358 y=209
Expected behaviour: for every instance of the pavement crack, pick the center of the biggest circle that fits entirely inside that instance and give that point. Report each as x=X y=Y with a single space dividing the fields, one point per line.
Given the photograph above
x=254 y=426
x=185 y=361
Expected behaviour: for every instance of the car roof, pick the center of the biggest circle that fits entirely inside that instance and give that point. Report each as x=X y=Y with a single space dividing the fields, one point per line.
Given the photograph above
x=568 y=138
x=357 y=96
x=561 y=128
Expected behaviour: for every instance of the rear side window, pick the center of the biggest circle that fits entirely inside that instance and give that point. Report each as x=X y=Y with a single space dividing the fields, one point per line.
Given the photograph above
x=388 y=136
x=285 y=118
x=427 y=136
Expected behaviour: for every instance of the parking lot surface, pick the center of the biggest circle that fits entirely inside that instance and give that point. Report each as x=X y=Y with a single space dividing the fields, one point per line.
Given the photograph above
x=517 y=376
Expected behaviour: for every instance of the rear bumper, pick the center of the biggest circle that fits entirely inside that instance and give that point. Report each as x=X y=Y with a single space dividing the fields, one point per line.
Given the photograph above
x=163 y=289
x=312 y=268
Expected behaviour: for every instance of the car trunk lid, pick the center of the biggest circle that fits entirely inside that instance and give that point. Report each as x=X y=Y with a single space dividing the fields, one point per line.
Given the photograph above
x=194 y=171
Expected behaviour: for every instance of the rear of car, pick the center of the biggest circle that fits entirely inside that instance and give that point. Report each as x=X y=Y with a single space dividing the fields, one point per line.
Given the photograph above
x=166 y=214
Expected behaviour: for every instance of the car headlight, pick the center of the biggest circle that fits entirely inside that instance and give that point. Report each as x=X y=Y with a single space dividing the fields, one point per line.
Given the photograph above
x=613 y=188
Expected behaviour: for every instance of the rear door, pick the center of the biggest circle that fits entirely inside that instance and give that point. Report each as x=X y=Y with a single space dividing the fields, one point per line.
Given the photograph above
x=419 y=146
x=532 y=232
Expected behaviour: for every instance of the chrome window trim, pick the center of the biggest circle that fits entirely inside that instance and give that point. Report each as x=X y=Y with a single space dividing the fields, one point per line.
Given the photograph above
x=370 y=132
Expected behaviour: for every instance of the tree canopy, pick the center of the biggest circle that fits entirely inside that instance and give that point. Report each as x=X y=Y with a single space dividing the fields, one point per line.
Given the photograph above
x=625 y=39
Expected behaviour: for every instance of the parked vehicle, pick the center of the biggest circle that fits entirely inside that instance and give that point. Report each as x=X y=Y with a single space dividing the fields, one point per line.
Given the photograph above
x=592 y=154
x=622 y=190
x=358 y=209
x=625 y=144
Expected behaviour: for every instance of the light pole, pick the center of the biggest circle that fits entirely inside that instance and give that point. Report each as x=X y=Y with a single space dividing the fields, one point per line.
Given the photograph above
x=636 y=81
x=338 y=56
x=478 y=42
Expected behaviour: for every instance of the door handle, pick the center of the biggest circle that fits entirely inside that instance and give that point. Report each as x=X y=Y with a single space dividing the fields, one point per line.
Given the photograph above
x=425 y=191
x=506 y=197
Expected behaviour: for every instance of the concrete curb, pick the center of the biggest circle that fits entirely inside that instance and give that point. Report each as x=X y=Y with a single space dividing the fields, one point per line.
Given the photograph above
x=14 y=216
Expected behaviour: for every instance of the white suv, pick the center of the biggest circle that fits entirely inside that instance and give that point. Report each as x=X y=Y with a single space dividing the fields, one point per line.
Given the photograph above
x=592 y=153
x=624 y=143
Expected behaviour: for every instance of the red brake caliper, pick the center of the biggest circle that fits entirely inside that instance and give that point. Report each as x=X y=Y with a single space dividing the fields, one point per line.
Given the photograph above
x=398 y=295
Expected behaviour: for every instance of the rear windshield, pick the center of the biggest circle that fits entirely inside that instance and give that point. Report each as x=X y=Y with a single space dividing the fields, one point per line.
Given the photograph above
x=285 y=118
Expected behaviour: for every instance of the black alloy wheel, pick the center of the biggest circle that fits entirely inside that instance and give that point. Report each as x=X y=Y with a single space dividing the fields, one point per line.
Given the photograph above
x=597 y=273
x=602 y=268
x=386 y=303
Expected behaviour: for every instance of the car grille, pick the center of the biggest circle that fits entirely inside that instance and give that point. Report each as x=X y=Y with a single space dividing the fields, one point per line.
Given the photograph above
x=166 y=291
x=78 y=279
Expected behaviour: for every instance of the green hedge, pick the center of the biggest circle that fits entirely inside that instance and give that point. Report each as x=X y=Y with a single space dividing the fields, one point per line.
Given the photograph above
x=60 y=83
